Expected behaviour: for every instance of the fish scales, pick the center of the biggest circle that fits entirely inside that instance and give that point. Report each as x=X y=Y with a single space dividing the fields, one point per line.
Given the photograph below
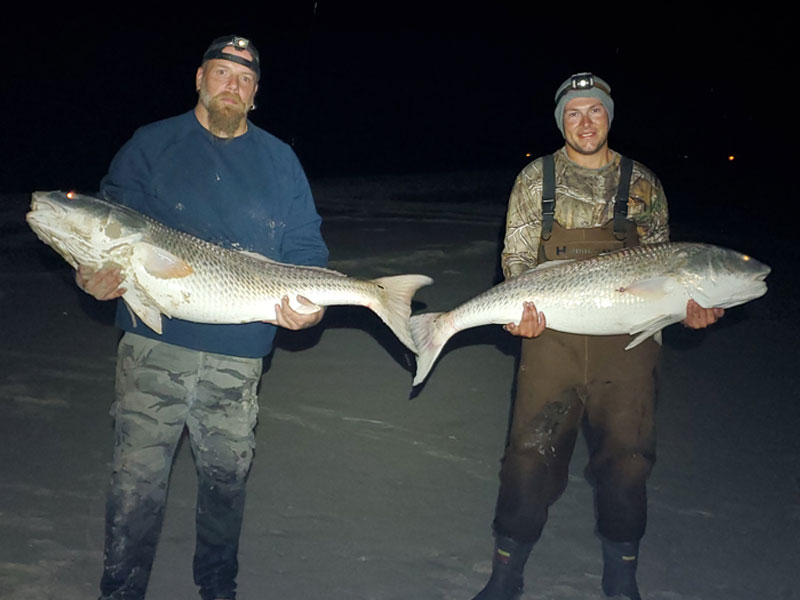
x=247 y=285
x=637 y=290
x=172 y=273
x=574 y=295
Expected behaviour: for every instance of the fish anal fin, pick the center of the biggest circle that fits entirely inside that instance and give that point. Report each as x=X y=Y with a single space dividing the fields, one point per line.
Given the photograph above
x=140 y=306
x=304 y=308
x=652 y=327
x=161 y=263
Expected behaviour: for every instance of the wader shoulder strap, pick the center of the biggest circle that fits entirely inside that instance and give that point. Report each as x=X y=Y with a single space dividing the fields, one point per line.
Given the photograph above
x=621 y=201
x=548 y=194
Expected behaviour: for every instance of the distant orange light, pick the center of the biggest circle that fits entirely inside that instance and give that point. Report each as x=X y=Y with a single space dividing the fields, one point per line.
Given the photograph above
x=731 y=158
x=71 y=195
x=527 y=155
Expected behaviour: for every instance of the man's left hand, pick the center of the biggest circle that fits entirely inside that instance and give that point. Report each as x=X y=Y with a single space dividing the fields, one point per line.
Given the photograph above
x=698 y=317
x=288 y=318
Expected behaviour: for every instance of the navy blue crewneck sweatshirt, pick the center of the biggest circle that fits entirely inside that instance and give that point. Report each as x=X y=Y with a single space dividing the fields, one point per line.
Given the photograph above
x=247 y=193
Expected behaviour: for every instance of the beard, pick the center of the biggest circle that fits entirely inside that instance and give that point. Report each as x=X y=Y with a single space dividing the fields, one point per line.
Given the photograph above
x=224 y=119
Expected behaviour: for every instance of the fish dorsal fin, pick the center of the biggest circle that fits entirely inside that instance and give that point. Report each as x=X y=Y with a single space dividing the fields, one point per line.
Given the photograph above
x=322 y=270
x=159 y=262
x=552 y=263
x=546 y=265
x=261 y=257
x=257 y=256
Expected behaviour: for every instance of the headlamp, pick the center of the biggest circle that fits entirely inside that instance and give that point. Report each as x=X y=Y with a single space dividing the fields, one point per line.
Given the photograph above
x=581 y=81
x=582 y=85
x=239 y=44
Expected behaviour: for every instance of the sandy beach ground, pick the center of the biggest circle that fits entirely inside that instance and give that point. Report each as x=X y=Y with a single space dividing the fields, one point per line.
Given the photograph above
x=360 y=491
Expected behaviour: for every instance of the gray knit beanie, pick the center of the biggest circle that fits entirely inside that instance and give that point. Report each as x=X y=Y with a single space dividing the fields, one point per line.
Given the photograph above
x=583 y=85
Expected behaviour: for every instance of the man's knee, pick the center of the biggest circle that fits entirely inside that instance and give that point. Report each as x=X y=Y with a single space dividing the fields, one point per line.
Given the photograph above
x=223 y=460
x=623 y=469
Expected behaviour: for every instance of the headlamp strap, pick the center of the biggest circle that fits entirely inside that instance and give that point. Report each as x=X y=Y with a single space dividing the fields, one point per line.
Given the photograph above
x=582 y=81
x=219 y=54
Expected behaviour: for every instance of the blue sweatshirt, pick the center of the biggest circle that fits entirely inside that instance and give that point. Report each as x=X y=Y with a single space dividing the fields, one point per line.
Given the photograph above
x=247 y=193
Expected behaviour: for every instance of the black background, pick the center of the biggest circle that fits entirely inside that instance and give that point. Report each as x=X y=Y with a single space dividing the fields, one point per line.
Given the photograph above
x=361 y=89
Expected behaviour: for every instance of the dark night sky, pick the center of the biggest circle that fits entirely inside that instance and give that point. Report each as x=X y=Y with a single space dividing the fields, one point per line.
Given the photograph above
x=396 y=89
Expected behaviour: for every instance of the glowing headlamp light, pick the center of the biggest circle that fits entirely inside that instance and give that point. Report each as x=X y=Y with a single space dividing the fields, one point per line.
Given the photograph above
x=582 y=81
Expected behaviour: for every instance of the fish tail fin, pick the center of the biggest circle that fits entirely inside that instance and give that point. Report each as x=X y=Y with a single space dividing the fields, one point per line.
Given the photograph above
x=430 y=337
x=394 y=307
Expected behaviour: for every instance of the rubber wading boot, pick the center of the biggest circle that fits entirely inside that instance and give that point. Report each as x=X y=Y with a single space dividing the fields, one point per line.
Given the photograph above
x=619 y=569
x=508 y=565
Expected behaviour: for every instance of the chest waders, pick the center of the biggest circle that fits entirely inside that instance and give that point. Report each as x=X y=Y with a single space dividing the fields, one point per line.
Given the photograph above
x=566 y=380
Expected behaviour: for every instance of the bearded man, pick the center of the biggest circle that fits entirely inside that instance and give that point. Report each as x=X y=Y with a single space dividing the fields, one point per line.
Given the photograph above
x=214 y=174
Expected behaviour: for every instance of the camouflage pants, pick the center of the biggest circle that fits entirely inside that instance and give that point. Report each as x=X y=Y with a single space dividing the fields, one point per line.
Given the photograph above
x=162 y=389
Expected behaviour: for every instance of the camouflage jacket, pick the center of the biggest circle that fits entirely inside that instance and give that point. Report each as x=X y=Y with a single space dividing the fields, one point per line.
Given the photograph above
x=584 y=198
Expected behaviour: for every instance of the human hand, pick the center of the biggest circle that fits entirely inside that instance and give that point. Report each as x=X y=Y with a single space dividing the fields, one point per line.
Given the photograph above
x=288 y=318
x=531 y=325
x=698 y=317
x=103 y=284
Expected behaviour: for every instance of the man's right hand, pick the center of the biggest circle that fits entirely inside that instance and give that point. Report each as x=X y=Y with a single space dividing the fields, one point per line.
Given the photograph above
x=531 y=325
x=103 y=284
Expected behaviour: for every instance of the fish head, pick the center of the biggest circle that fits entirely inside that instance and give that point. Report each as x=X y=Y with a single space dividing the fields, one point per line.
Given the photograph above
x=726 y=278
x=84 y=230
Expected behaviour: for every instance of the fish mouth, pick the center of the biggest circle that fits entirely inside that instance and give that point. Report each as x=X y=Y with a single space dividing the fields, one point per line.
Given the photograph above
x=759 y=280
x=46 y=212
x=756 y=289
x=45 y=203
x=760 y=287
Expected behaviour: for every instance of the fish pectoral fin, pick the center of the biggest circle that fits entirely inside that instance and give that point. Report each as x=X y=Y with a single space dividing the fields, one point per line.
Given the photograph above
x=652 y=327
x=702 y=298
x=159 y=262
x=142 y=307
x=650 y=289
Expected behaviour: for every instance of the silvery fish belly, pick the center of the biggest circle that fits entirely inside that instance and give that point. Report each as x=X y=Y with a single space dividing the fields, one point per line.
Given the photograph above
x=168 y=272
x=637 y=291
